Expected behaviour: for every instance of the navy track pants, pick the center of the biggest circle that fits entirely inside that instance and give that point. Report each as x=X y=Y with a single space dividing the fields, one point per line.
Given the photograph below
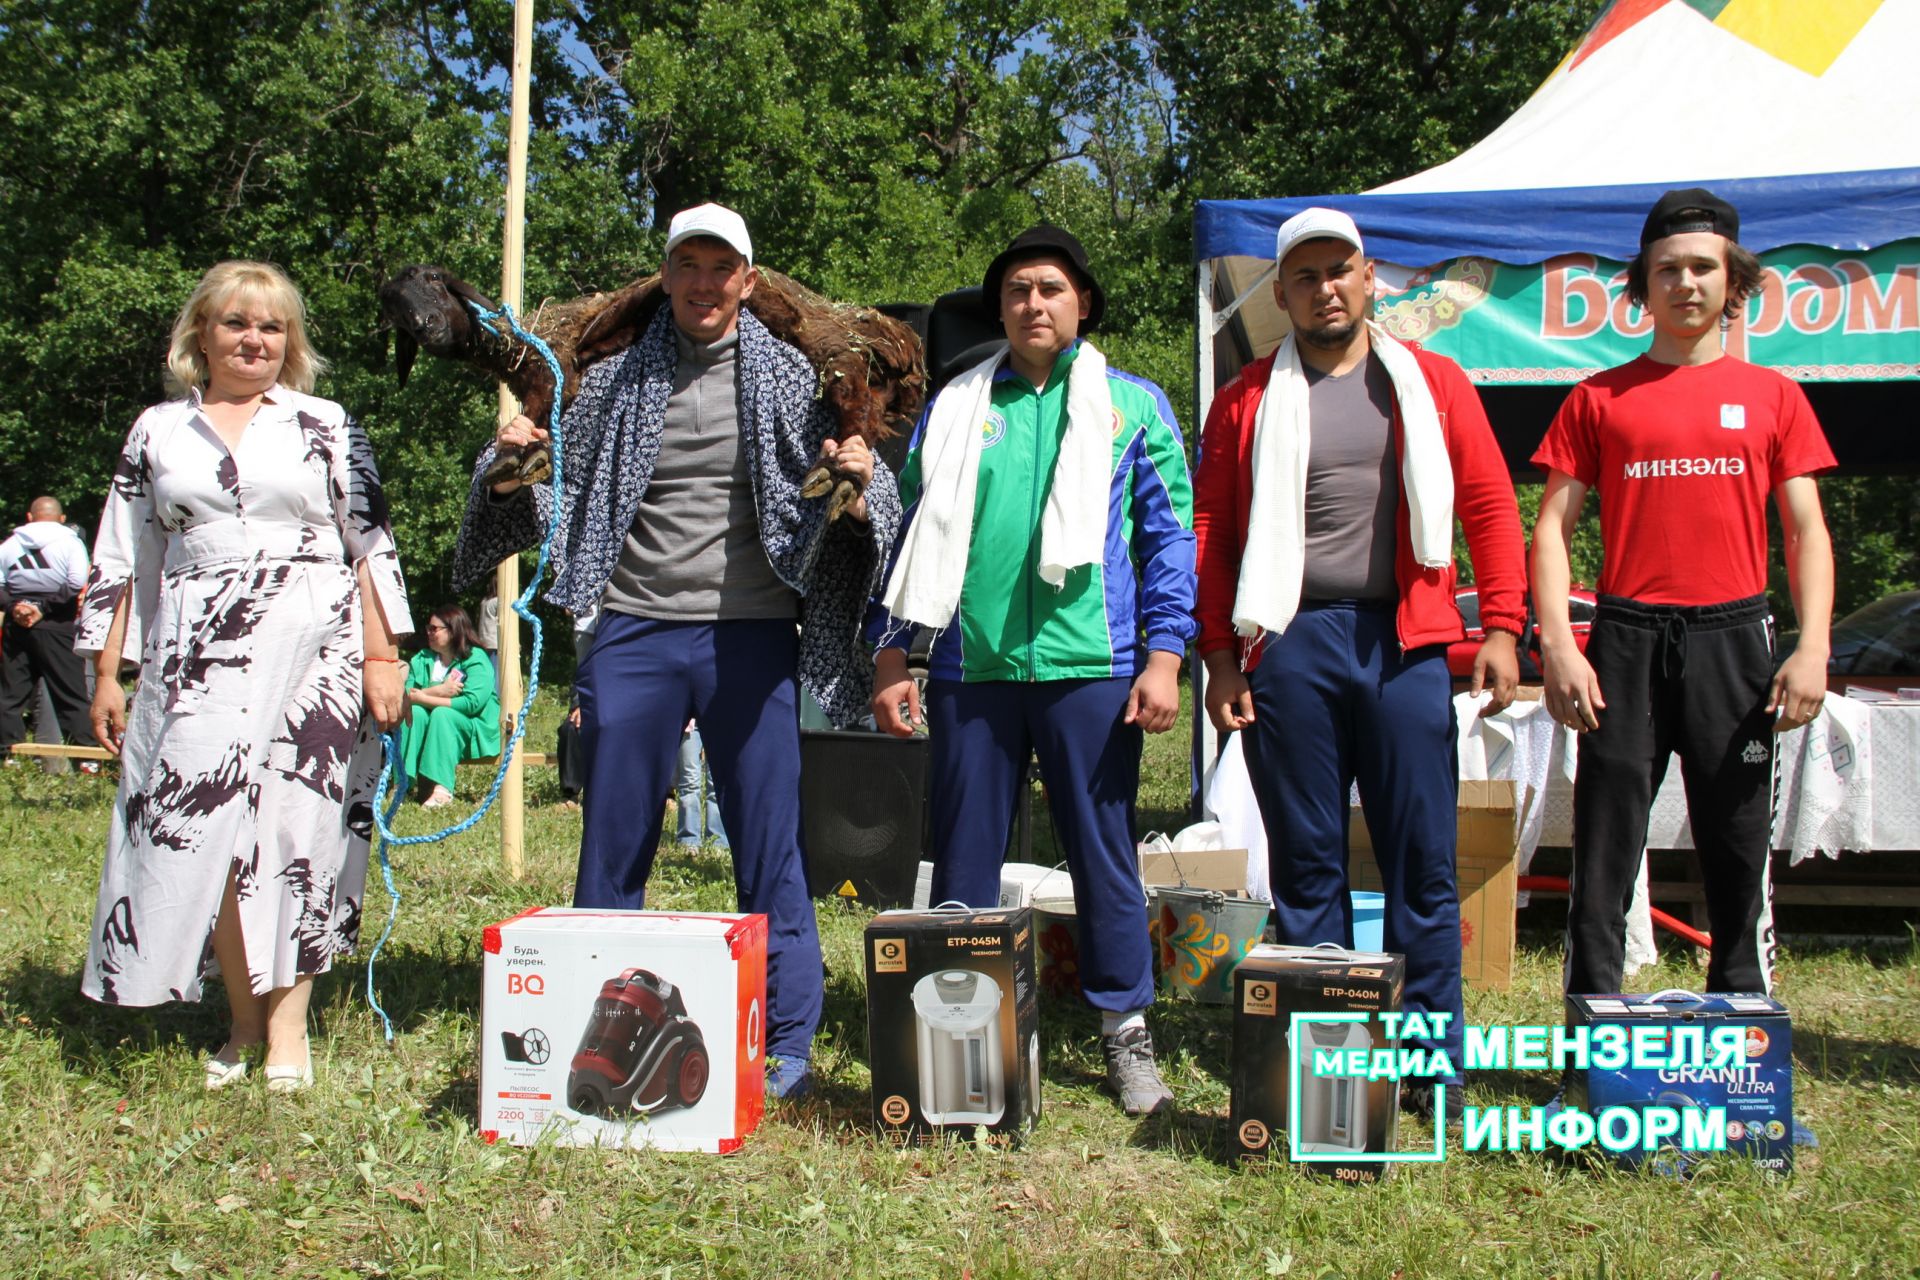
x=1336 y=701
x=1090 y=762
x=639 y=683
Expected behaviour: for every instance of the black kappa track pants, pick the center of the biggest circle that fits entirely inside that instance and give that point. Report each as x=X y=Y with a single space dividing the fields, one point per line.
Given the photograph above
x=1691 y=681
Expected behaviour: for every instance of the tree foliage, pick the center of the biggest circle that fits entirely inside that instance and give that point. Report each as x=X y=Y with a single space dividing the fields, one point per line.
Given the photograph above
x=881 y=150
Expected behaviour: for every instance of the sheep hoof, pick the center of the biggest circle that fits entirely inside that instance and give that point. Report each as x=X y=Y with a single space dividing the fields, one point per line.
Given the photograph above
x=536 y=464
x=505 y=466
x=817 y=482
x=844 y=495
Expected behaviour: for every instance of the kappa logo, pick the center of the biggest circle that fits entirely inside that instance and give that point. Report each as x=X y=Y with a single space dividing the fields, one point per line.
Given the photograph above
x=1755 y=753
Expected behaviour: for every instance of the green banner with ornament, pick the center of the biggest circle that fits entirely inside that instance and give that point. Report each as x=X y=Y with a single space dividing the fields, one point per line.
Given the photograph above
x=1821 y=315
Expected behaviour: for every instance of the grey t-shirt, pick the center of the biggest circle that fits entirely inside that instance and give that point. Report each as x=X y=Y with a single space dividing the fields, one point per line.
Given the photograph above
x=694 y=552
x=1353 y=485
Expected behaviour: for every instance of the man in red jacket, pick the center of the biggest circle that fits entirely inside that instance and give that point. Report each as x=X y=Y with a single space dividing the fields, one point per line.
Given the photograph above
x=1330 y=475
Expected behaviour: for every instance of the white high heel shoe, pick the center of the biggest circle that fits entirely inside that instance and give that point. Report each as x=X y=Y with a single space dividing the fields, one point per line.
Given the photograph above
x=221 y=1073
x=285 y=1079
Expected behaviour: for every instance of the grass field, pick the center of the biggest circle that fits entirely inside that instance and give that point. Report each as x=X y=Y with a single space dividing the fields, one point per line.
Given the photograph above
x=113 y=1161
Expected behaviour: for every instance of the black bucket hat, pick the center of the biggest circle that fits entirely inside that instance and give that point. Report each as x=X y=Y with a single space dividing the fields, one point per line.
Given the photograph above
x=1690 y=209
x=1044 y=240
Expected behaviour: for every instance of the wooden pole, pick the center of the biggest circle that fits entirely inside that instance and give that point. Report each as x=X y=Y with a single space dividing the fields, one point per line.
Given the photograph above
x=513 y=814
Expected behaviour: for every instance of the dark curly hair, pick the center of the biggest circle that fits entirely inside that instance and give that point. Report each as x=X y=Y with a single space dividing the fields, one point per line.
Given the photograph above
x=1743 y=279
x=459 y=630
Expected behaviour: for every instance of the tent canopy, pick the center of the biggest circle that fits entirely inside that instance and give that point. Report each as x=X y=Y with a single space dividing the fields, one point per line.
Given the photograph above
x=1802 y=114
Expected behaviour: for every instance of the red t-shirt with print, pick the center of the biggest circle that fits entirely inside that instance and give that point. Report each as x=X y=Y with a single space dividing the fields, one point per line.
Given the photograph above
x=1684 y=457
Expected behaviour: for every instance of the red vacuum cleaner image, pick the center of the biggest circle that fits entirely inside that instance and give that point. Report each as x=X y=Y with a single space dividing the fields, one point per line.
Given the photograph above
x=640 y=1052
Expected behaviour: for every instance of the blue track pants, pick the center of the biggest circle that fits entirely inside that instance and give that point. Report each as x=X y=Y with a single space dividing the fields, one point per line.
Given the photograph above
x=1090 y=762
x=1336 y=701
x=639 y=683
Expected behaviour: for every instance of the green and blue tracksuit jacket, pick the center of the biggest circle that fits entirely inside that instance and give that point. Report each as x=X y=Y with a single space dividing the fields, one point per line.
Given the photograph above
x=1106 y=618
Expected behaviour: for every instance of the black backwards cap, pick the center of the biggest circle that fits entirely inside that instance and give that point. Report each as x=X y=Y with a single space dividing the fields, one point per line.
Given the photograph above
x=1690 y=209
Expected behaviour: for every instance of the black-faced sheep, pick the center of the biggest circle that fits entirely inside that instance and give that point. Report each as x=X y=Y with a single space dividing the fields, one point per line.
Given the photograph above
x=870 y=364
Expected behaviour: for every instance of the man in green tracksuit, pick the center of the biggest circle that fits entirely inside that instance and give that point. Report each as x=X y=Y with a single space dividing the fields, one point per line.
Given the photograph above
x=1049 y=540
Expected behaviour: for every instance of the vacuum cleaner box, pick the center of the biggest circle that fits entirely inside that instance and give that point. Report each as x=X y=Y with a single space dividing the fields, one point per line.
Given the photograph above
x=624 y=1028
x=1756 y=1098
x=953 y=1022
x=1487 y=841
x=1338 y=1115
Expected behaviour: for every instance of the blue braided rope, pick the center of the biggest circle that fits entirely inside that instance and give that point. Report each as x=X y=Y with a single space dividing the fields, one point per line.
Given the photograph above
x=393 y=770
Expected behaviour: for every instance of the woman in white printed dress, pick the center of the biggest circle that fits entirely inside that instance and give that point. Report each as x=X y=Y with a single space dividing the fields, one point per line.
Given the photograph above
x=246 y=564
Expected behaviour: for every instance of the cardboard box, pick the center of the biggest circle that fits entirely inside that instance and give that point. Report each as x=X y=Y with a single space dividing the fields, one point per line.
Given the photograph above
x=1271 y=985
x=1222 y=869
x=1757 y=1098
x=1488 y=840
x=953 y=1034
x=624 y=1028
x=1020 y=884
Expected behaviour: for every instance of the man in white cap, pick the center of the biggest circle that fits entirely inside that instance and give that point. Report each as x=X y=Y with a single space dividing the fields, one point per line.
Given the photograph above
x=1331 y=474
x=681 y=522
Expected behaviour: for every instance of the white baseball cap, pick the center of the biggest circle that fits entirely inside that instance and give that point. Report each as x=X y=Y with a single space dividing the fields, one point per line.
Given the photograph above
x=1316 y=224
x=714 y=220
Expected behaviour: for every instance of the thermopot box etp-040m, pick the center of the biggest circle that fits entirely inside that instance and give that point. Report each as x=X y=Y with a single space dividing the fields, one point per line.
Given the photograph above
x=1338 y=1114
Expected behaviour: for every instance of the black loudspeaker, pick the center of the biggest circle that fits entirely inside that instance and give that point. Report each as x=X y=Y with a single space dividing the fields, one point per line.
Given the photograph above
x=960 y=333
x=863 y=797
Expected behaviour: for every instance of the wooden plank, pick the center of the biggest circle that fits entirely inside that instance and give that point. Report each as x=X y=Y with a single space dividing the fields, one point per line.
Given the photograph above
x=60 y=750
x=512 y=794
x=65 y=752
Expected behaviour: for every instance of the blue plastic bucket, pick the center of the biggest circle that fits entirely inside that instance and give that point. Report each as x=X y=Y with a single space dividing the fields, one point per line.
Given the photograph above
x=1369 y=921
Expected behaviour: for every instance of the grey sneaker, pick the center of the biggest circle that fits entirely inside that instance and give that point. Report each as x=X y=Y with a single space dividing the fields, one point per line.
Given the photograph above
x=1132 y=1074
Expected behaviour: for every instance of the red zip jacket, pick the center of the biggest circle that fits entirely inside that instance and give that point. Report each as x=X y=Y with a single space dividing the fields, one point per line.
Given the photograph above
x=1482 y=501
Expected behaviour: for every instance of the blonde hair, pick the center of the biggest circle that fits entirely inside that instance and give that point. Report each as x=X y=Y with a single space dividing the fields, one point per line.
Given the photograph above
x=248 y=282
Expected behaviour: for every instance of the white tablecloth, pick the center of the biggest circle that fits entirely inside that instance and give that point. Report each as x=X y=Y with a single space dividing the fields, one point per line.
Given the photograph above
x=1849 y=781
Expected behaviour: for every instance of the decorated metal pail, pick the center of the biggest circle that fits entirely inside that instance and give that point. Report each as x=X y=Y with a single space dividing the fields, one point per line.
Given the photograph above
x=1056 y=945
x=1200 y=936
x=1056 y=940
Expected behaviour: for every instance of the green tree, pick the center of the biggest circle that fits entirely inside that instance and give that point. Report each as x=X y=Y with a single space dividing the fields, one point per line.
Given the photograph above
x=1328 y=96
x=140 y=143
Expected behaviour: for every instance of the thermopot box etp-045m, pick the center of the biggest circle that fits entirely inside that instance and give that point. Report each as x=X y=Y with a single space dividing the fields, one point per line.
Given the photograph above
x=952 y=1021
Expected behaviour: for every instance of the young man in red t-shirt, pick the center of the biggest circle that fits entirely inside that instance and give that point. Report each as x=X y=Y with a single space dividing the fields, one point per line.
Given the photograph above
x=1684 y=444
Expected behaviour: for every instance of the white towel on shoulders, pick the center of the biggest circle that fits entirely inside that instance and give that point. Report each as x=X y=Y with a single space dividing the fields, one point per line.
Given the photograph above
x=932 y=566
x=1273 y=556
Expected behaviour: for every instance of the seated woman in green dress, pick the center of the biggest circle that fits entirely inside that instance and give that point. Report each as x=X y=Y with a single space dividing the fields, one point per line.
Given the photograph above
x=453 y=710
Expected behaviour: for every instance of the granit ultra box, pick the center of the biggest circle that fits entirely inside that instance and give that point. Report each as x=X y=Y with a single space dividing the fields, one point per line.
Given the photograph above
x=624 y=1028
x=952 y=1021
x=1337 y=1115
x=1758 y=1098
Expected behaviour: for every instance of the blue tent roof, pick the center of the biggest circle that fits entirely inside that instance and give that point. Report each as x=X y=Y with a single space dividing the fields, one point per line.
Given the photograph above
x=1858 y=210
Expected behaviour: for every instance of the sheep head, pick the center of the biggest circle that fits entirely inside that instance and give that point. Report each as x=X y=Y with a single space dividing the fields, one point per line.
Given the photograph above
x=427 y=307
